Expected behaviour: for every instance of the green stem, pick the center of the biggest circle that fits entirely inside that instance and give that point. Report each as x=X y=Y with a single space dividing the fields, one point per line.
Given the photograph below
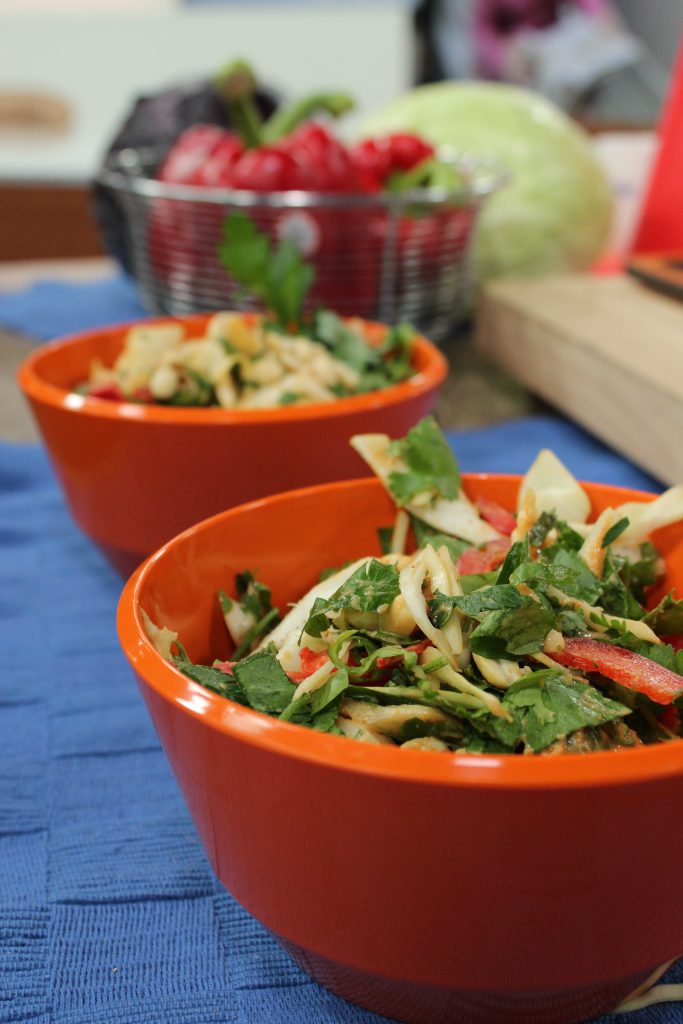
x=236 y=84
x=429 y=173
x=287 y=118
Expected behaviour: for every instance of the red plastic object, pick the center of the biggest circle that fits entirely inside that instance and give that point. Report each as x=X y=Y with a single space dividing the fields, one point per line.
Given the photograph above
x=661 y=223
x=428 y=887
x=134 y=475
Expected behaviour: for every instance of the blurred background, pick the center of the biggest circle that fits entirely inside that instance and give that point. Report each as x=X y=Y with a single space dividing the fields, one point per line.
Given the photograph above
x=71 y=71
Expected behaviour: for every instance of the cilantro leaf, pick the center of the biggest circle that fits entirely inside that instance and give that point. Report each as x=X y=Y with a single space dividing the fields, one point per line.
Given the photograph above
x=254 y=596
x=541 y=574
x=276 y=275
x=264 y=682
x=475 y=580
x=566 y=536
x=667 y=618
x=490 y=599
x=372 y=586
x=430 y=464
x=377 y=366
x=511 y=633
x=570 y=622
x=518 y=553
x=638 y=576
x=215 y=680
x=616 y=598
x=553 y=706
x=318 y=709
x=344 y=343
x=581 y=582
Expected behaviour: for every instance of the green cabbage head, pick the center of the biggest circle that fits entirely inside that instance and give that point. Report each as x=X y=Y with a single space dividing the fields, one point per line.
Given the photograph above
x=554 y=214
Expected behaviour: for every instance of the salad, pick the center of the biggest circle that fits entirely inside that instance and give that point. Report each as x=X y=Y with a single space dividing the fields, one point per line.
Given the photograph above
x=246 y=361
x=472 y=628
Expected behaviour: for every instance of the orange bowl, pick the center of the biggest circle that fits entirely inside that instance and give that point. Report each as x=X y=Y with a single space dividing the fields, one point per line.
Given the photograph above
x=135 y=475
x=424 y=886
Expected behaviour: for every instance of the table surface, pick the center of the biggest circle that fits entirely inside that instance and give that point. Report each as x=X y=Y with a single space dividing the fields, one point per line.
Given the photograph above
x=109 y=912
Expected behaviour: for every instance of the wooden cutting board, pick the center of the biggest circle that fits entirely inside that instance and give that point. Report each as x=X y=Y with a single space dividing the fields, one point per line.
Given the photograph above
x=607 y=351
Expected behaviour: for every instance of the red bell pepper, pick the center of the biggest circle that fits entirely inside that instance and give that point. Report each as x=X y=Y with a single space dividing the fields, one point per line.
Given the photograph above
x=497 y=516
x=266 y=169
x=200 y=156
x=396 y=660
x=325 y=164
x=107 y=392
x=216 y=172
x=225 y=666
x=287 y=153
x=631 y=670
x=378 y=158
x=311 y=661
x=486 y=559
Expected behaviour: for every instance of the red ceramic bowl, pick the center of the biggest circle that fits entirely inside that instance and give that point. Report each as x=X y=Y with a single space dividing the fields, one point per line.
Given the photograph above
x=424 y=886
x=135 y=475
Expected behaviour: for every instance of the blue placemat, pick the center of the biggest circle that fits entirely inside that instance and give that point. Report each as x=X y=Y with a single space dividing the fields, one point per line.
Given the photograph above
x=49 y=309
x=109 y=912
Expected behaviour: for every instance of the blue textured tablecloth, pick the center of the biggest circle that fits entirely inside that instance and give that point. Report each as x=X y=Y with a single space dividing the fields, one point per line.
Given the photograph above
x=109 y=912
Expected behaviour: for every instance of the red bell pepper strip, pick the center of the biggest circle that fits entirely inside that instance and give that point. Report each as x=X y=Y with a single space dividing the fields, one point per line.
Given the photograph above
x=107 y=392
x=311 y=661
x=486 y=559
x=225 y=666
x=143 y=395
x=631 y=670
x=498 y=517
x=396 y=660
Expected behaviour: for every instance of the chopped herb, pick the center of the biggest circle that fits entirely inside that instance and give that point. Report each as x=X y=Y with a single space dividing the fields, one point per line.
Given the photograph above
x=289 y=398
x=581 y=582
x=614 y=532
x=667 y=618
x=553 y=705
x=481 y=602
x=510 y=633
x=264 y=682
x=373 y=586
x=215 y=680
x=430 y=464
x=516 y=556
x=276 y=275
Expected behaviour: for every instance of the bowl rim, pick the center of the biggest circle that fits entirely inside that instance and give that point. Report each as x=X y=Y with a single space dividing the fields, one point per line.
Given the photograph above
x=496 y=771
x=36 y=388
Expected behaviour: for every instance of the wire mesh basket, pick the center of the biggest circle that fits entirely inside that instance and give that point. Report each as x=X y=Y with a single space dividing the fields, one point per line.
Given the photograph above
x=392 y=257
